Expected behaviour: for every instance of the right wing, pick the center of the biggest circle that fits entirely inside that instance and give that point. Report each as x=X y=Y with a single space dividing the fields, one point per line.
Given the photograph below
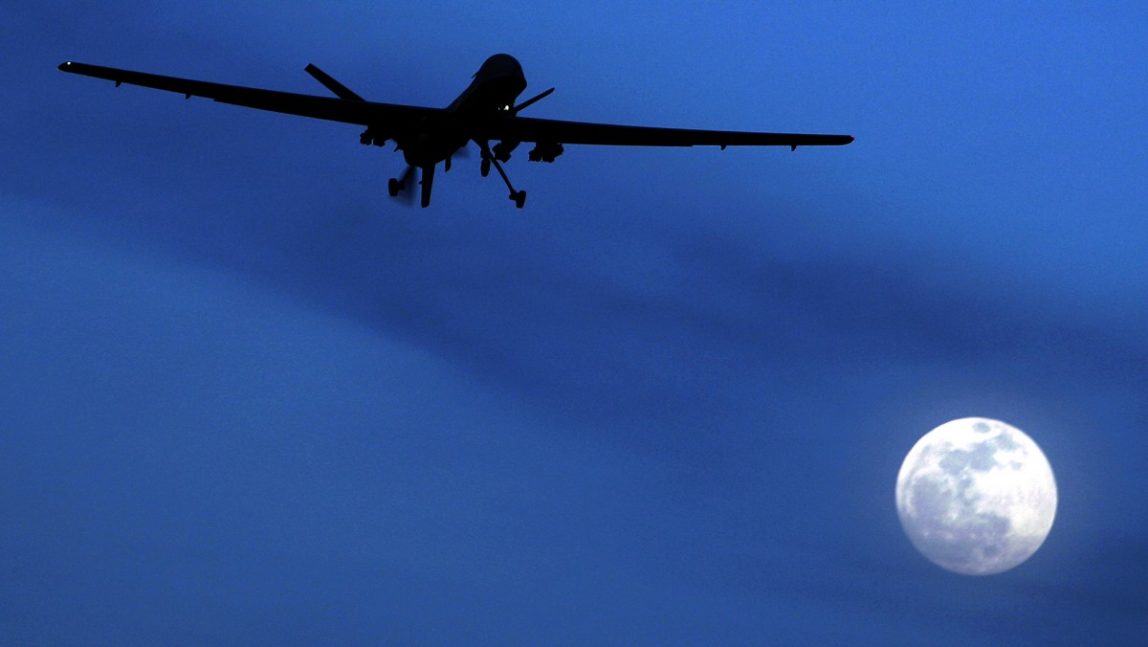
x=365 y=113
x=529 y=129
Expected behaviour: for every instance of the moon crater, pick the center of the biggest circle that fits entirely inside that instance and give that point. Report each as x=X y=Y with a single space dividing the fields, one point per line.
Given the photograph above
x=976 y=496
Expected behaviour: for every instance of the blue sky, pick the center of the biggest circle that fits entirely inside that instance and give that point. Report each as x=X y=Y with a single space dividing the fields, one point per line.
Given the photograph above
x=248 y=399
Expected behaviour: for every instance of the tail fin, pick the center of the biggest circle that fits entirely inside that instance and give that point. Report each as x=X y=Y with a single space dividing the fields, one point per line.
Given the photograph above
x=339 y=90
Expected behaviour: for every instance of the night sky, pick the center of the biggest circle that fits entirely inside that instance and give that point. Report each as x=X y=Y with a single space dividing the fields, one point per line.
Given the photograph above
x=247 y=398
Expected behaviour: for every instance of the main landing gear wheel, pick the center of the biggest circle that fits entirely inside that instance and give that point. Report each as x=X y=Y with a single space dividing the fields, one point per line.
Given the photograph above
x=488 y=160
x=394 y=186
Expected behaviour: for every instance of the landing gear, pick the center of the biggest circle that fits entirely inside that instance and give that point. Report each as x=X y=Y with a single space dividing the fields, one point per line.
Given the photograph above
x=426 y=182
x=488 y=160
x=396 y=186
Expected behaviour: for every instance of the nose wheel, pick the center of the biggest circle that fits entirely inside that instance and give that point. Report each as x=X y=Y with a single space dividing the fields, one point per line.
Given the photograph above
x=519 y=198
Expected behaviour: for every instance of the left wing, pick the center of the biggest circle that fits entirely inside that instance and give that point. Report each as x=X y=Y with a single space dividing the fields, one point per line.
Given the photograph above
x=527 y=129
x=366 y=113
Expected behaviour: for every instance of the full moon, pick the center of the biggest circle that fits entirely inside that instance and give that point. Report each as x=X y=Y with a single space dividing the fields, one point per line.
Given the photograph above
x=976 y=496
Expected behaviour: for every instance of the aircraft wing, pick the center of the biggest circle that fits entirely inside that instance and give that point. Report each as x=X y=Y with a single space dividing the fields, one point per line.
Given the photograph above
x=523 y=129
x=527 y=129
x=365 y=113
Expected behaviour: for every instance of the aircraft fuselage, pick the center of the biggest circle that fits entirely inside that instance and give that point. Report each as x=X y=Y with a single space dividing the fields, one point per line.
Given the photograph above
x=489 y=97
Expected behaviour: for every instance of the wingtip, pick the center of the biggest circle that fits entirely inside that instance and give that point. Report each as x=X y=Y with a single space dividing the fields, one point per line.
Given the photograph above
x=63 y=67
